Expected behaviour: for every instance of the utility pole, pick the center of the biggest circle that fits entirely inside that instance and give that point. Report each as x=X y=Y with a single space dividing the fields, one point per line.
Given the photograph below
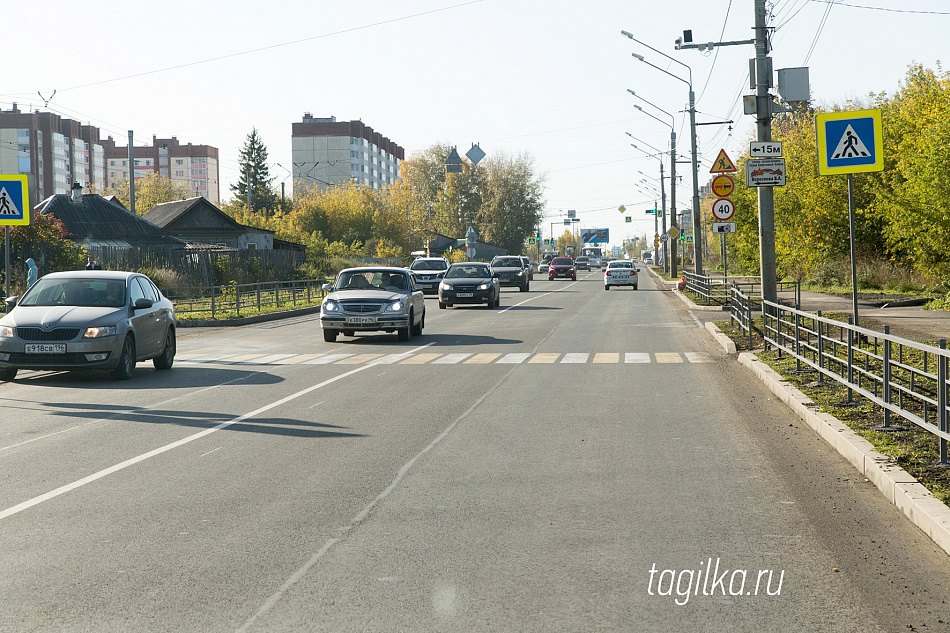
x=131 y=175
x=762 y=78
x=673 y=222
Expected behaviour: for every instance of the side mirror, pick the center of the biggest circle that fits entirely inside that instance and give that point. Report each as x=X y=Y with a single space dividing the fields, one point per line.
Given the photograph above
x=143 y=304
x=327 y=287
x=11 y=302
x=494 y=275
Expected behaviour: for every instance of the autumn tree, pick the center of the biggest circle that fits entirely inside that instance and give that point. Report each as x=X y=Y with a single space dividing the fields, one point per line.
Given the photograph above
x=151 y=190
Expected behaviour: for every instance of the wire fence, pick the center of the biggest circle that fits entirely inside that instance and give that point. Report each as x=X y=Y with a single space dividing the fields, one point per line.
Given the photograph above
x=235 y=300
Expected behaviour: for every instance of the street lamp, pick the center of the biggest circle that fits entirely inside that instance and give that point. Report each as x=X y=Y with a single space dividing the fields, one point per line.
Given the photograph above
x=697 y=223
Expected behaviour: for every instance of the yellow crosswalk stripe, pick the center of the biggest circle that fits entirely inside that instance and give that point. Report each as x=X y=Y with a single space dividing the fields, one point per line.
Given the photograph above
x=420 y=359
x=359 y=359
x=545 y=357
x=606 y=358
x=482 y=359
x=672 y=357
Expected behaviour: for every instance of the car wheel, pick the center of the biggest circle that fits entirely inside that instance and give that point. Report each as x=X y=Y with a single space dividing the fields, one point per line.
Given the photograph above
x=634 y=286
x=7 y=375
x=441 y=305
x=524 y=288
x=330 y=336
x=126 y=366
x=574 y=278
x=167 y=357
x=417 y=329
x=404 y=334
x=606 y=287
x=348 y=332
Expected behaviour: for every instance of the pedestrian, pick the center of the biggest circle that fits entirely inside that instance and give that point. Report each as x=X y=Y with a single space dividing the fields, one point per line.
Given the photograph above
x=92 y=264
x=32 y=272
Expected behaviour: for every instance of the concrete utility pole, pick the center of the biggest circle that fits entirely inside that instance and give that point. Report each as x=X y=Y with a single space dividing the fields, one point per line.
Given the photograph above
x=131 y=175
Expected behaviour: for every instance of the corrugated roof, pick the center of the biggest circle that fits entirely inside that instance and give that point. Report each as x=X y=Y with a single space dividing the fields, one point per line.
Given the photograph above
x=96 y=220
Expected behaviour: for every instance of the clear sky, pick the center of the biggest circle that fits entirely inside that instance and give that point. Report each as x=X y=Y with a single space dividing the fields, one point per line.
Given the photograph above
x=515 y=76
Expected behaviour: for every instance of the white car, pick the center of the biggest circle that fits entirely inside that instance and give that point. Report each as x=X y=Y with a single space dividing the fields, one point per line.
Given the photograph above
x=620 y=272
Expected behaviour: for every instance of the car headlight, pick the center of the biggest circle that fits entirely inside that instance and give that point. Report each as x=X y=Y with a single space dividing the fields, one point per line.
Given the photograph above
x=99 y=332
x=6 y=331
x=331 y=306
x=445 y=287
x=395 y=306
x=485 y=286
x=521 y=273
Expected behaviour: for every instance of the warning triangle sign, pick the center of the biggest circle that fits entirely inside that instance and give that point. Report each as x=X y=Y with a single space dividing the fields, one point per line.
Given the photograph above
x=723 y=164
x=850 y=145
x=7 y=206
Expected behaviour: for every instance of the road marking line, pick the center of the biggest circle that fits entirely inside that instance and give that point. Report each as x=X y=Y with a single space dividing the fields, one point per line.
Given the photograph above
x=389 y=359
x=185 y=440
x=636 y=357
x=298 y=359
x=574 y=357
x=419 y=359
x=513 y=359
x=359 y=359
x=482 y=359
x=329 y=358
x=698 y=357
x=450 y=359
x=545 y=357
x=607 y=358
x=264 y=360
x=668 y=357
x=241 y=358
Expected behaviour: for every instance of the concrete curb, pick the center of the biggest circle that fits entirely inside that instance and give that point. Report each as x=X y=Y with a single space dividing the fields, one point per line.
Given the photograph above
x=727 y=343
x=916 y=502
x=695 y=306
x=260 y=318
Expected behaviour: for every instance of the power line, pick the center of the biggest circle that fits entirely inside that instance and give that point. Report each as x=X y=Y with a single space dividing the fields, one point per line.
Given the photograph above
x=861 y=6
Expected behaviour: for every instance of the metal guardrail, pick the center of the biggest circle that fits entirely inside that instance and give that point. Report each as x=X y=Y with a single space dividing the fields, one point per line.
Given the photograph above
x=718 y=290
x=232 y=299
x=903 y=377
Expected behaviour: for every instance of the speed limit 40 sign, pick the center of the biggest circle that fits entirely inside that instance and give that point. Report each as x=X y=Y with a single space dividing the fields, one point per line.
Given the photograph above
x=723 y=208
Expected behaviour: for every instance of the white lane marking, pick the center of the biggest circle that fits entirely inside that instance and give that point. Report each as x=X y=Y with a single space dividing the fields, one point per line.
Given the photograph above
x=636 y=357
x=698 y=357
x=538 y=297
x=185 y=440
x=512 y=359
x=575 y=357
x=451 y=359
x=209 y=452
x=316 y=405
x=263 y=360
x=329 y=358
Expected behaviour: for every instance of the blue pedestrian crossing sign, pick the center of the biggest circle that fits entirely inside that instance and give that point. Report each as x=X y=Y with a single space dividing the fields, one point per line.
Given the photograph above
x=849 y=142
x=14 y=200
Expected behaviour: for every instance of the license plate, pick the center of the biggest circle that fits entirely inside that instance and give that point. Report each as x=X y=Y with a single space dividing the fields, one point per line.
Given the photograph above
x=37 y=348
x=465 y=294
x=620 y=275
x=425 y=286
x=361 y=320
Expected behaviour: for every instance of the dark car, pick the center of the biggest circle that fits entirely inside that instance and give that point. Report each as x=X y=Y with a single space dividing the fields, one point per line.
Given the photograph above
x=582 y=263
x=511 y=271
x=105 y=320
x=529 y=266
x=428 y=272
x=469 y=282
x=562 y=267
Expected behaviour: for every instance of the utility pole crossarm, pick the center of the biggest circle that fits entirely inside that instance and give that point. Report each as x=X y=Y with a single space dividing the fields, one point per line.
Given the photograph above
x=679 y=45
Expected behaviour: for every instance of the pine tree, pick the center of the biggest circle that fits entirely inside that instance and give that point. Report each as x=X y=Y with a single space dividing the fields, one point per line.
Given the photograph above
x=255 y=177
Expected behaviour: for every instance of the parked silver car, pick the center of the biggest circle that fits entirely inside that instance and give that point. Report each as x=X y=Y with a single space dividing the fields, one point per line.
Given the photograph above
x=105 y=320
x=373 y=300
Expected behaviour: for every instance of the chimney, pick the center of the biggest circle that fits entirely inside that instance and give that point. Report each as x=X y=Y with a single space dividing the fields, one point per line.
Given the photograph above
x=77 y=192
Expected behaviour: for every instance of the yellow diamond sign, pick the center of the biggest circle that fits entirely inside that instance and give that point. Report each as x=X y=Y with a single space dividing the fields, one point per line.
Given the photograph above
x=673 y=232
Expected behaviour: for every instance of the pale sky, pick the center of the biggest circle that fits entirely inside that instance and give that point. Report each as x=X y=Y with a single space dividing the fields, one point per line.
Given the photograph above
x=515 y=76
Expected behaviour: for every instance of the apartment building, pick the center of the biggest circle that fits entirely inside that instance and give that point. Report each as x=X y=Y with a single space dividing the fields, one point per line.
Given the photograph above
x=328 y=152
x=52 y=151
x=193 y=167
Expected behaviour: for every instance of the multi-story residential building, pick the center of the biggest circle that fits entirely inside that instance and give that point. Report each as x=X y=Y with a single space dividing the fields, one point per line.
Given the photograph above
x=327 y=152
x=52 y=151
x=194 y=167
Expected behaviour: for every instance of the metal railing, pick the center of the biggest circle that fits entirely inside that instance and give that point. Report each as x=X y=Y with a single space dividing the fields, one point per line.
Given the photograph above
x=903 y=377
x=741 y=309
x=718 y=290
x=231 y=300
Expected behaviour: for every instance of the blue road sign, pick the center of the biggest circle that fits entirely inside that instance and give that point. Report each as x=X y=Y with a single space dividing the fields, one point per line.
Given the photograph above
x=849 y=142
x=14 y=200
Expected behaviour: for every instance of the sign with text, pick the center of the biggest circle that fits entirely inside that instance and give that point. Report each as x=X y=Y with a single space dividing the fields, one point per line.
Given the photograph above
x=765 y=172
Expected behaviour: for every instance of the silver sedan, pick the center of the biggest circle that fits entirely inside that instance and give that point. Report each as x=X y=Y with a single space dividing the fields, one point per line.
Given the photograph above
x=102 y=320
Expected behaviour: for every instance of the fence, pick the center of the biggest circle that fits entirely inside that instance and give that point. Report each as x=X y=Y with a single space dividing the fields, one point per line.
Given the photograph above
x=718 y=290
x=903 y=377
x=217 y=301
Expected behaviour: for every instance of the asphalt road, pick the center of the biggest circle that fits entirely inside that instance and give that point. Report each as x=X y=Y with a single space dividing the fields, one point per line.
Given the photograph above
x=578 y=460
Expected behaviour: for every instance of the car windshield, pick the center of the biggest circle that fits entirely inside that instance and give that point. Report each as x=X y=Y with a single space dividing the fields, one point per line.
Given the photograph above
x=76 y=292
x=507 y=262
x=467 y=271
x=561 y=261
x=428 y=264
x=371 y=279
x=619 y=265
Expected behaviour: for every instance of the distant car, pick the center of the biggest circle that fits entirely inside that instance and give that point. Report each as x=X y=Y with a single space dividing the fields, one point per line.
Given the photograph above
x=428 y=272
x=510 y=271
x=543 y=267
x=582 y=263
x=372 y=299
x=620 y=273
x=562 y=267
x=88 y=320
x=469 y=282
x=529 y=266
x=648 y=261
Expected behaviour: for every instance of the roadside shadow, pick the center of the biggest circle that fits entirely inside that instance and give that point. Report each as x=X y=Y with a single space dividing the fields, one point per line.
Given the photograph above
x=180 y=376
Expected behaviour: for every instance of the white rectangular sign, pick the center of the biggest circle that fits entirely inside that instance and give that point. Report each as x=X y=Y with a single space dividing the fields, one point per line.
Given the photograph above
x=765 y=149
x=724 y=227
x=765 y=172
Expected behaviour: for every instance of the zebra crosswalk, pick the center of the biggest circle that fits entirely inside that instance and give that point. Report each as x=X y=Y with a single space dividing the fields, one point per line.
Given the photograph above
x=455 y=358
